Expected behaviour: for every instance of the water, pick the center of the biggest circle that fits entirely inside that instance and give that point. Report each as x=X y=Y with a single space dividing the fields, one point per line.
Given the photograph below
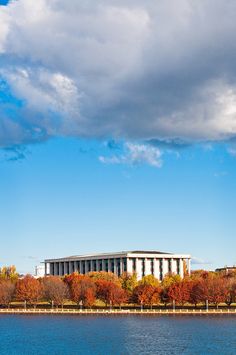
x=117 y=335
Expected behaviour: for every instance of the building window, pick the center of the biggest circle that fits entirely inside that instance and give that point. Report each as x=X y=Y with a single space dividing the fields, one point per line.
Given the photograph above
x=67 y=267
x=94 y=265
x=169 y=266
x=152 y=266
x=106 y=265
x=125 y=264
x=161 y=269
x=83 y=267
x=112 y=265
x=89 y=265
x=143 y=267
x=134 y=265
x=118 y=266
x=178 y=266
x=100 y=265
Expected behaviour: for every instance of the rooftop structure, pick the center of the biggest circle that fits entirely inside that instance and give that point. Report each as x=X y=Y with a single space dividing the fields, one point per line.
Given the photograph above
x=226 y=269
x=140 y=262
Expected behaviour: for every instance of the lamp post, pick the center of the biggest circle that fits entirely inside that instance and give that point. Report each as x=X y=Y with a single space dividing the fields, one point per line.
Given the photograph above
x=141 y=303
x=207 y=305
x=173 y=305
x=81 y=305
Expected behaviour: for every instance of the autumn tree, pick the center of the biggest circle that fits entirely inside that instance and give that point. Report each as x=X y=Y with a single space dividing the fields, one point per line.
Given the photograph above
x=180 y=292
x=199 y=291
x=83 y=290
x=128 y=282
x=217 y=290
x=8 y=273
x=146 y=294
x=55 y=290
x=28 y=289
x=168 y=280
x=110 y=293
x=231 y=290
x=149 y=280
x=7 y=290
x=103 y=275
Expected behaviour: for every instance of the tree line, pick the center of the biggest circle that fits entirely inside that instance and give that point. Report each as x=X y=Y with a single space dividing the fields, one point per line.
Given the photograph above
x=199 y=288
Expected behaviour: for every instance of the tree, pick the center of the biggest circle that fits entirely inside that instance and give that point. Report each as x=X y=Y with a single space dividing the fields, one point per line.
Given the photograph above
x=217 y=290
x=8 y=273
x=199 y=291
x=128 y=282
x=110 y=293
x=55 y=290
x=168 y=280
x=149 y=280
x=28 y=289
x=83 y=290
x=103 y=275
x=180 y=292
x=231 y=291
x=7 y=290
x=145 y=294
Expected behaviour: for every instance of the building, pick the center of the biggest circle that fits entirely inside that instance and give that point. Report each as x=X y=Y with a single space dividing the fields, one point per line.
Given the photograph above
x=39 y=271
x=142 y=262
x=226 y=270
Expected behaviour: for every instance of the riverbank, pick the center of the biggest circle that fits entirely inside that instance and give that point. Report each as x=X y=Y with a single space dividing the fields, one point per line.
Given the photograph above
x=154 y=312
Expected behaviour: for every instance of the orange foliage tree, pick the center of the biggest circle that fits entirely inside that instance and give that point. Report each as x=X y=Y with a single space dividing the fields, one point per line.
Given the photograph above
x=55 y=290
x=83 y=289
x=146 y=294
x=7 y=290
x=28 y=289
x=110 y=293
x=180 y=291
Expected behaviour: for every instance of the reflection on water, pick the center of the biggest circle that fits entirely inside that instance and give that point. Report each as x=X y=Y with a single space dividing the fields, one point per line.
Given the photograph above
x=117 y=335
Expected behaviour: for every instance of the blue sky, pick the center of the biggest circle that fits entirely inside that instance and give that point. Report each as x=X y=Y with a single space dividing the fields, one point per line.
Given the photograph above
x=61 y=200
x=117 y=129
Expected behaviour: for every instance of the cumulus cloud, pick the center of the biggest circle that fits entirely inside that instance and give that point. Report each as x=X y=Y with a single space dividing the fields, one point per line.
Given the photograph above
x=135 y=154
x=159 y=71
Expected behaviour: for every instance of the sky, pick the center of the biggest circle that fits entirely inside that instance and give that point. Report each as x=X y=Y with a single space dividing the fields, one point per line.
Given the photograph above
x=117 y=129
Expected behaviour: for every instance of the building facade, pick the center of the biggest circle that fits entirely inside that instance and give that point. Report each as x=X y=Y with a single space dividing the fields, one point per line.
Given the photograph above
x=140 y=262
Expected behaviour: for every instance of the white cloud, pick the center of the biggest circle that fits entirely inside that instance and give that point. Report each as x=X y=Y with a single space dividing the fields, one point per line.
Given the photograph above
x=127 y=69
x=136 y=154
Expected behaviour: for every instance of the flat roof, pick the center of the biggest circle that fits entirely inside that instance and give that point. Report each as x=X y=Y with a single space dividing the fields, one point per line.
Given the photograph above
x=121 y=253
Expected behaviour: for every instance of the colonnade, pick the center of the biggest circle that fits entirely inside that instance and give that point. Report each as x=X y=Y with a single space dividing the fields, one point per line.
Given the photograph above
x=158 y=267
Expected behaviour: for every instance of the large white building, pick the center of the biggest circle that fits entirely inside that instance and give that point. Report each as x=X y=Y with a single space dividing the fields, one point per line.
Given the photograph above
x=141 y=262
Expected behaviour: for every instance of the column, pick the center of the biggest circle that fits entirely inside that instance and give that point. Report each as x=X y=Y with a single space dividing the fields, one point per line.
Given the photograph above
x=109 y=265
x=103 y=265
x=55 y=269
x=189 y=266
x=129 y=266
x=139 y=268
x=51 y=267
x=156 y=268
x=86 y=266
x=70 y=267
x=115 y=267
x=77 y=266
x=165 y=266
x=97 y=265
x=91 y=265
x=171 y=265
x=121 y=266
x=65 y=268
x=181 y=268
x=60 y=269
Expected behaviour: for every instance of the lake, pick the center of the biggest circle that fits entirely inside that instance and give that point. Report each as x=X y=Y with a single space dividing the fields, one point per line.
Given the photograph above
x=201 y=335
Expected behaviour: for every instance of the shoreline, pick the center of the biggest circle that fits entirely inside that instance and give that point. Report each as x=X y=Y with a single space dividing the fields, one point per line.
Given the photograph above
x=155 y=312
